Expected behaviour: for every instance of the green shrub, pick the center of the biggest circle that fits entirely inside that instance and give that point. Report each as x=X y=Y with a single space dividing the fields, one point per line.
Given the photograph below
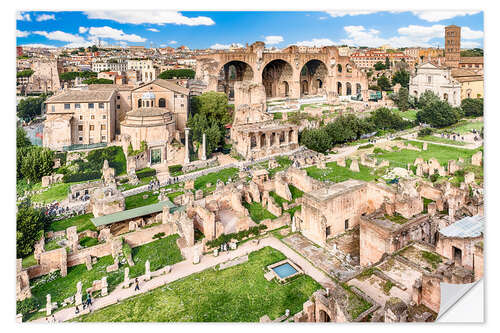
x=378 y=150
x=26 y=306
x=434 y=177
x=425 y=131
x=366 y=146
x=175 y=168
x=159 y=235
x=146 y=172
x=126 y=249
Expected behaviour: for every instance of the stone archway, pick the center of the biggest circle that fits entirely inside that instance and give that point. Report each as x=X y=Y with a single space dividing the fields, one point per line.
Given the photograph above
x=274 y=72
x=358 y=88
x=304 y=88
x=348 y=89
x=230 y=73
x=339 y=88
x=324 y=317
x=315 y=73
x=286 y=88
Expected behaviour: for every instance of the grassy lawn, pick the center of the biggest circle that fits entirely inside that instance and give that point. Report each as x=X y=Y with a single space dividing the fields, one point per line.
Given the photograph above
x=160 y=253
x=338 y=174
x=137 y=200
x=433 y=138
x=82 y=223
x=464 y=126
x=284 y=163
x=279 y=200
x=236 y=294
x=442 y=153
x=56 y=192
x=212 y=178
x=29 y=261
x=257 y=212
x=409 y=114
x=88 y=241
x=296 y=193
x=52 y=245
x=143 y=181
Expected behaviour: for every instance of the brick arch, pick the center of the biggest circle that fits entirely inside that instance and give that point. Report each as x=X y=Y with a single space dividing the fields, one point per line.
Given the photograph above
x=230 y=72
x=315 y=72
x=274 y=73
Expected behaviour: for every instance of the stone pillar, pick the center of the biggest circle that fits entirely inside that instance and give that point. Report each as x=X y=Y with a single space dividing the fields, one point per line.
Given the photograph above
x=148 y=272
x=258 y=140
x=186 y=134
x=126 y=281
x=268 y=140
x=78 y=295
x=49 y=305
x=204 y=147
x=287 y=137
x=104 y=286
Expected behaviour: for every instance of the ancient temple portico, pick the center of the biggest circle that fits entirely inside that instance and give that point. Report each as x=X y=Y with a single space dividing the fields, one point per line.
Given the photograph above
x=264 y=138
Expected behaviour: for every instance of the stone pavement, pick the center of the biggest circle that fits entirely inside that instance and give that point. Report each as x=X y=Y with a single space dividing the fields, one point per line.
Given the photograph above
x=186 y=268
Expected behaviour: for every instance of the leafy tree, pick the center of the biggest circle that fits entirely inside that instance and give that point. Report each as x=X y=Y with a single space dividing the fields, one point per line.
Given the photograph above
x=402 y=77
x=379 y=65
x=36 y=162
x=316 y=139
x=403 y=99
x=21 y=138
x=383 y=83
x=438 y=114
x=30 y=107
x=97 y=81
x=210 y=116
x=387 y=63
x=426 y=98
x=472 y=107
x=69 y=76
x=476 y=52
x=25 y=73
x=30 y=223
x=183 y=73
x=384 y=119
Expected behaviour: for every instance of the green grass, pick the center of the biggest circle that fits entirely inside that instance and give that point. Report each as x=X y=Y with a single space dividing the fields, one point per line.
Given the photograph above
x=464 y=126
x=88 y=241
x=137 y=200
x=284 y=163
x=29 y=261
x=337 y=174
x=173 y=195
x=409 y=114
x=52 y=245
x=279 y=200
x=236 y=294
x=56 y=192
x=293 y=210
x=432 y=258
x=224 y=175
x=396 y=218
x=143 y=181
x=438 y=139
x=160 y=253
x=296 y=193
x=257 y=212
x=442 y=153
x=82 y=223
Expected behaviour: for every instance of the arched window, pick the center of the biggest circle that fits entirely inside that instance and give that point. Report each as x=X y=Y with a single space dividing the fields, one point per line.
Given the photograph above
x=339 y=68
x=339 y=88
x=161 y=103
x=139 y=103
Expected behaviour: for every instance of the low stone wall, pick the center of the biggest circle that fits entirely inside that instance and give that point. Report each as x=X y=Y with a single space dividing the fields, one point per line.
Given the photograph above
x=278 y=222
x=49 y=261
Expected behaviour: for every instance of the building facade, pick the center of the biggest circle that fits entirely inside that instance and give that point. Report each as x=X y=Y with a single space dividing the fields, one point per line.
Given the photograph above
x=436 y=79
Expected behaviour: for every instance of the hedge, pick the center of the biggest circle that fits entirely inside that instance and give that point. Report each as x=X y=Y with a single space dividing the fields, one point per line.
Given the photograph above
x=175 y=168
x=146 y=172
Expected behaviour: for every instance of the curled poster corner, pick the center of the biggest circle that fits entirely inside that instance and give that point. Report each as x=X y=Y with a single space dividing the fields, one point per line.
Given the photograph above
x=451 y=294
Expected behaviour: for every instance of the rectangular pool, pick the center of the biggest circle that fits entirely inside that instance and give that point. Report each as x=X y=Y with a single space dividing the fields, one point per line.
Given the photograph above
x=285 y=270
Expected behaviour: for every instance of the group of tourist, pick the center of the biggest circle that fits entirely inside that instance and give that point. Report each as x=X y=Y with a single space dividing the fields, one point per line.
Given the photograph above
x=86 y=304
x=154 y=184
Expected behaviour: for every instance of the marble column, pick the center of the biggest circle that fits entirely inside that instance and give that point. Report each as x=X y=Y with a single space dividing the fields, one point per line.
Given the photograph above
x=186 y=134
x=287 y=137
x=258 y=140
x=204 y=147
x=268 y=140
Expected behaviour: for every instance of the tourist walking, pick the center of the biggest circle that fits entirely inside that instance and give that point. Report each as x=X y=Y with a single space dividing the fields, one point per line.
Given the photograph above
x=136 y=284
x=77 y=310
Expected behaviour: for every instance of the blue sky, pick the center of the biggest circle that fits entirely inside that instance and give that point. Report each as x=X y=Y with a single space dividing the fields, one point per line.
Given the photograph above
x=220 y=29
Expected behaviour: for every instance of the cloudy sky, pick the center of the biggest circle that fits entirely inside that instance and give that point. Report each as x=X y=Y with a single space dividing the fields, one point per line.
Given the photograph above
x=221 y=29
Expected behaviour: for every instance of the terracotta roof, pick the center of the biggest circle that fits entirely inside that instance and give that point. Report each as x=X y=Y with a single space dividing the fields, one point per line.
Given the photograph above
x=168 y=85
x=472 y=60
x=81 y=96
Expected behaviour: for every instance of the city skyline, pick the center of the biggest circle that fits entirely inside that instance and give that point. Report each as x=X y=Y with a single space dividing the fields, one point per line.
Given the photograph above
x=218 y=30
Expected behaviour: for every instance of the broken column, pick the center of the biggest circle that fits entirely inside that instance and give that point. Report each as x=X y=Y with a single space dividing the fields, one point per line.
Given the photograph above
x=204 y=147
x=186 y=144
x=104 y=286
x=354 y=165
x=49 y=305
x=126 y=282
x=78 y=295
x=148 y=272
x=72 y=236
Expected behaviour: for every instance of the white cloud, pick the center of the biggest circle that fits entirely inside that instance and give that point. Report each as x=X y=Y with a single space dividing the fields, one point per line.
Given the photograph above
x=148 y=16
x=322 y=17
x=23 y=17
x=468 y=33
x=116 y=34
x=61 y=36
x=20 y=33
x=342 y=13
x=439 y=15
x=469 y=44
x=45 y=46
x=83 y=30
x=218 y=46
x=163 y=45
x=153 y=30
x=45 y=17
x=318 y=42
x=173 y=42
x=271 y=40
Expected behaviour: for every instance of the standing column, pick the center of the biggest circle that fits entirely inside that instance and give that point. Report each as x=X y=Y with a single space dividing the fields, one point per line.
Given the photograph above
x=258 y=140
x=186 y=144
x=287 y=137
x=268 y=140
x=204 y=147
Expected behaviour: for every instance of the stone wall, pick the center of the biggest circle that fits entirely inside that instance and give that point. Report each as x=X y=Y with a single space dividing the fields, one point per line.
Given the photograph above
x=50 y=261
